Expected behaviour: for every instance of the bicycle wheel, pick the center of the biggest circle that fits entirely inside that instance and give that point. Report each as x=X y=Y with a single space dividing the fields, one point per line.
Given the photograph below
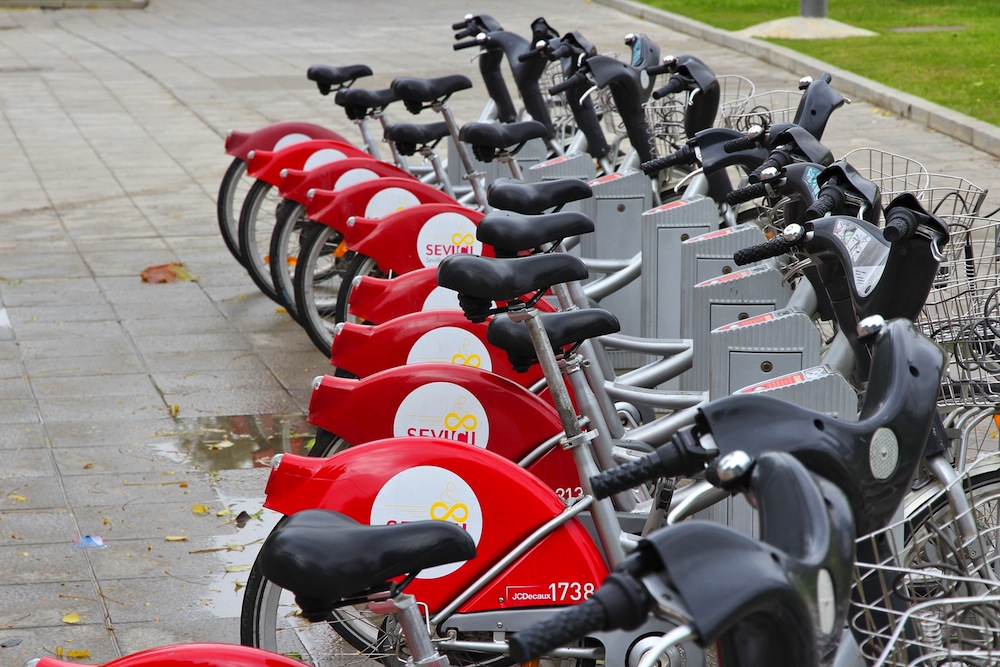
x=318 y=274
x=327 y=444
x=287 y=239
x=360 y=266
x=258 y=218
x=232 y=191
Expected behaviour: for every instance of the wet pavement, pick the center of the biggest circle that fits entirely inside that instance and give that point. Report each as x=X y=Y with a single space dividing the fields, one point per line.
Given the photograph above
x=146 y=413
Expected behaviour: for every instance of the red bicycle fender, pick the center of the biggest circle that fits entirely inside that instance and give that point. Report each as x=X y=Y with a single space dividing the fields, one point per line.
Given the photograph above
x=295 y=184
x=419 y=479
x=307 y=155
x=277 y=136
x=193 y=655
x=371 y=199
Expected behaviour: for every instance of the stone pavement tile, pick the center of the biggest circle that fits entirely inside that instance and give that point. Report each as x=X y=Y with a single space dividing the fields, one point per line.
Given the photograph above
x=197 y=342
x=223 y=402
x=183 y=383
x=158 y=308
x=30 y=327
x=25 y=462
x=133 y=637
x=38 y=642
x=31 y=493
x=45 y=604
x=152 y=522
x=136 y=385
x=138 y=488
x=72 y=365
x=44 y=563
x=22 y=528
x=180 y=361
x=88 y=312
x=26 y=435
x=113 y=459
x=50 y=291
x=123 y=433
x=17 y=411
x=100 y=408
x=24 y=265
x=139 y=559
x=151 y=326
x=15 y=388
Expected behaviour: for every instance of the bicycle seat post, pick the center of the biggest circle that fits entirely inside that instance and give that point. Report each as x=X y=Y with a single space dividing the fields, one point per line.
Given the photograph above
x=476 y=178
x=577 y=440
x=407 y=613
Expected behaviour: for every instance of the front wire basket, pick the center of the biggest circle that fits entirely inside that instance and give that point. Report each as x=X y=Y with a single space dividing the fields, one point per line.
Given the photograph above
x=934 y=598
x=765 y=109
x=962 y=311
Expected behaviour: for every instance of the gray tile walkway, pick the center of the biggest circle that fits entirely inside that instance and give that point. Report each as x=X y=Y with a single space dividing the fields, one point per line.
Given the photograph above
x=112 y=126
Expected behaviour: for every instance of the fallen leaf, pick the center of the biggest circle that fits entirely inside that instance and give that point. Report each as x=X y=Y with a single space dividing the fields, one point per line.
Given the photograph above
x=88 y=466
x=166 y=273
x=175 y=410
x=222 y=444
x=198 y=508
x=71 y=618
x=237 y=568
x=16 y=496
x=237 y=585
x=225 y=512
x=175 y=538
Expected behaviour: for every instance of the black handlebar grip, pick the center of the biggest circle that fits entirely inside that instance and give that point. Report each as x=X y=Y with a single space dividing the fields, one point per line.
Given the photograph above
x=465 y=32
x=528 y=55
x=825 y=203
x=467 y=44
x=564 y=628
x=773 y=248
x=743 y=143
x=565 y=85
x=900 y=225
x=746 y=193
x=683 y=155
x=459 y=25
x=626 y=476
x=675 y=85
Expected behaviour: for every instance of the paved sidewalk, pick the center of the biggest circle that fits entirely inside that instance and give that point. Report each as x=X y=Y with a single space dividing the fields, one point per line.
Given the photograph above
x=146 y=413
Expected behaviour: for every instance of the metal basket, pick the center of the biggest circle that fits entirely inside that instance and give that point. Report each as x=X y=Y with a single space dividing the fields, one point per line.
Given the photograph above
x=665 y=116
x=892 y=173
x=962 y=312
x=764 y=109
x=934 y=598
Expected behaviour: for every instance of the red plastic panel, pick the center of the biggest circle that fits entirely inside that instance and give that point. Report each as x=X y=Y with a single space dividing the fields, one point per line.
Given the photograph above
x=295 y=184
x=307 y=155
x=277 y=136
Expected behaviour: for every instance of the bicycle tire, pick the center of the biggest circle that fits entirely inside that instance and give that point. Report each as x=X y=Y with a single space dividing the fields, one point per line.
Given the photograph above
x=258 y=218
x=327 y=444
x=232 y=191
x=318 y=275
x=290 y=230
x=360 y=266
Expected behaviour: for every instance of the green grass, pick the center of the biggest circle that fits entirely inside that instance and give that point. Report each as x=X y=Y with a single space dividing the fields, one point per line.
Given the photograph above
x=958 y=68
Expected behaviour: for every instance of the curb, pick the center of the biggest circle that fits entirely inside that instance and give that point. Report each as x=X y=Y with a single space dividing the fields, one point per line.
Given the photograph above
x=978 y=134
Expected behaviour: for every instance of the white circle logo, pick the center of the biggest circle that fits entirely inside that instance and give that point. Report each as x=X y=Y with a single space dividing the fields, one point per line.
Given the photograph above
x=353 y=176
x=446 y=234
x=321 y=157
x=442 y=410
x=291 y=140
x=389 y=201
x=429 y=493
x=450 y=345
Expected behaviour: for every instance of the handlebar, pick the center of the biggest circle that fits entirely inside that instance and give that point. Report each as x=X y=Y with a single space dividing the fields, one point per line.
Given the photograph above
x=565 y=85
x=755 y=253
x=683 y=455
x=683 y=155
x=746 y=193
x=744 y=143
x=674 y=85
x=900 y=225
x=467 y=44
x=459 y=25
x=829 y=200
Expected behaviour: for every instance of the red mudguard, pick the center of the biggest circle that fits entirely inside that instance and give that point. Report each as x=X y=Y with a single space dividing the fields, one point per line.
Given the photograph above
x=193 y=655
x=295 y=184
x=370 y=199
x=308 y=155
x=435 y=336
x=277 y=136
x=498 y=503
x=417 y=237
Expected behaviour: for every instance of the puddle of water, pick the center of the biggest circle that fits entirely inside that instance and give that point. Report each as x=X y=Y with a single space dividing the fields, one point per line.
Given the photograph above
x=228 y=443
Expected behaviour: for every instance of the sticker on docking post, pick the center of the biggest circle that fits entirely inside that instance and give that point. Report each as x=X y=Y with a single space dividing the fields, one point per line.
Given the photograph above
x=450 y=345
x=750 y=321
x=429 y=493
x=447 y=234
x=868 y=256
x=443 y=410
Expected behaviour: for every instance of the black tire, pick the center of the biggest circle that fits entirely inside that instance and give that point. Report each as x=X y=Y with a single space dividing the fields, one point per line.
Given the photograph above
x=318 y=276
x=327 y=444
x=361 y=265
x=258 y=218
x=290 y=231
x=232 y=191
